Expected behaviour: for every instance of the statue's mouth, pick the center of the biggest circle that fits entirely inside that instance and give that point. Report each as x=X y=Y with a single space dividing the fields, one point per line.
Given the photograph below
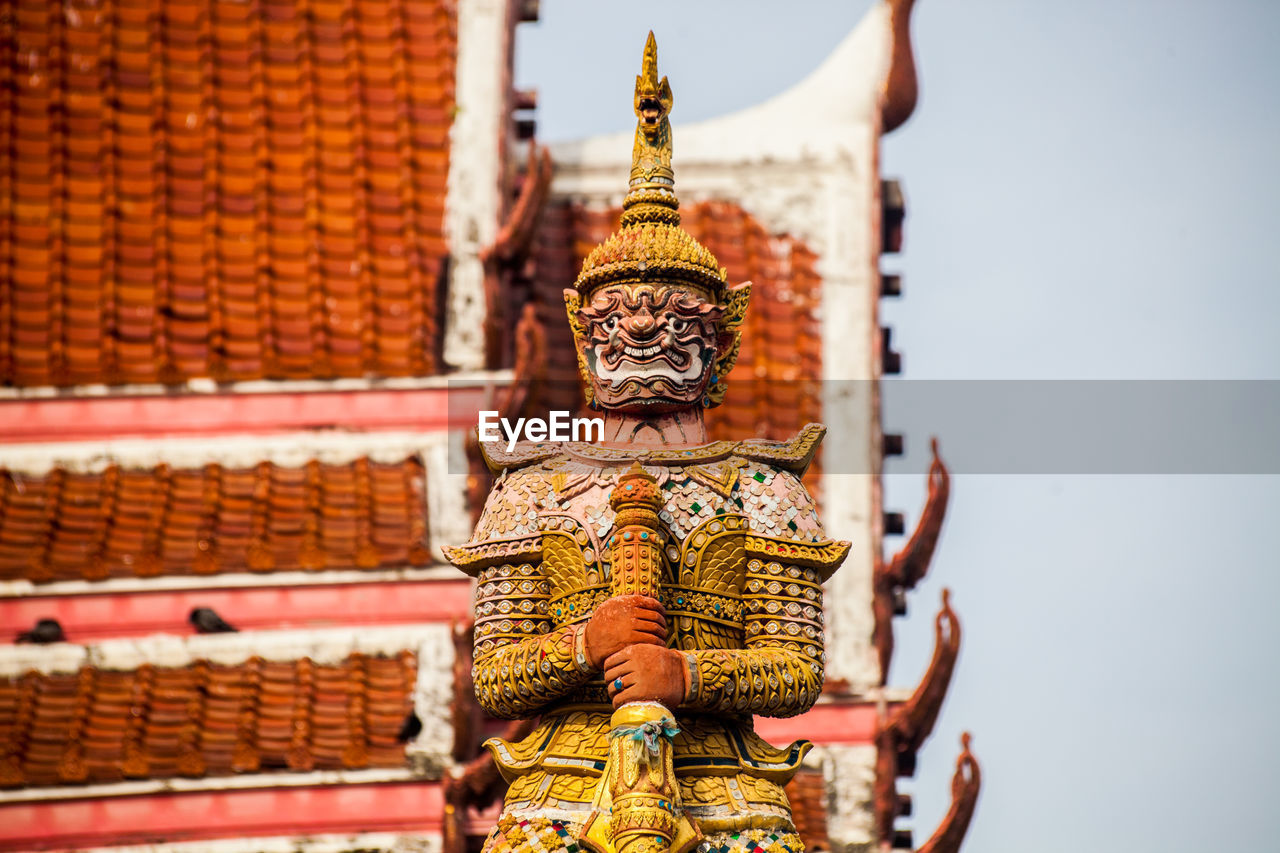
x=677 y=364
x=638 y=353
x=650 y=111
x=675 y=353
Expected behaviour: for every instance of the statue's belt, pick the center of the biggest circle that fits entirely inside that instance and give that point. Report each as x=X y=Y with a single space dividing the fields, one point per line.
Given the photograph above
x=574 y=739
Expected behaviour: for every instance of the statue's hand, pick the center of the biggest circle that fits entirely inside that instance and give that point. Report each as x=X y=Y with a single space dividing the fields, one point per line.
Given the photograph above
x=647 y=673
x=621 y=621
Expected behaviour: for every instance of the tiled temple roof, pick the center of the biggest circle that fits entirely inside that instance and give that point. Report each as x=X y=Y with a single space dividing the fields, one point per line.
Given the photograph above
x=123 y=522
x=774 y=389
x=206 y=719
x=208 y=188
x=807 y=792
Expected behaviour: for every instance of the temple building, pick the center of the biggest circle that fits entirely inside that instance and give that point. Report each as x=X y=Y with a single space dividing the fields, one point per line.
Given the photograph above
x=261 y=264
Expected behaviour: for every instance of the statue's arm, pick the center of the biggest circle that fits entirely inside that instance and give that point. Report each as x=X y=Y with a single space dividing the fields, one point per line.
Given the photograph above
x=521 y=663
x=779 y=671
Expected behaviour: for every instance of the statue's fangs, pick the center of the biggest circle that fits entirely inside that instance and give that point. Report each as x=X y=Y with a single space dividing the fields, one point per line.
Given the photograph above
x=648 y=595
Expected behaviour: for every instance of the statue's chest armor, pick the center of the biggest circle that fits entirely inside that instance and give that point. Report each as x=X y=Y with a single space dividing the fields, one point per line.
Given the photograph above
x=702 y=555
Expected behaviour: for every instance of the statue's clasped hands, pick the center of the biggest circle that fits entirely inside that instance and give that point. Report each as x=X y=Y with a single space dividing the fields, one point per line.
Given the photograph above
x=627 y=640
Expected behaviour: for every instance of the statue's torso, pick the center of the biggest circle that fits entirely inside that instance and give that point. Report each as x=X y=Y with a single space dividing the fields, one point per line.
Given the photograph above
x=710 y=509
x=544 y=544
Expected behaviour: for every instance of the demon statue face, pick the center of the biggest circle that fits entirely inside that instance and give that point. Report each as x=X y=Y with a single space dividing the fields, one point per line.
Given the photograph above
x=651 y=347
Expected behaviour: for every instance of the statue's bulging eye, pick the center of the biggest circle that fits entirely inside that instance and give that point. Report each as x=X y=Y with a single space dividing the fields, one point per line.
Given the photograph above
x=611 y=322
x=677 y=324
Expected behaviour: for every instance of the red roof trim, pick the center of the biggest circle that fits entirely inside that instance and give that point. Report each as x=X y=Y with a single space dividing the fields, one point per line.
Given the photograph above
x=92 y=618
x=103 y=418
x=340 y=809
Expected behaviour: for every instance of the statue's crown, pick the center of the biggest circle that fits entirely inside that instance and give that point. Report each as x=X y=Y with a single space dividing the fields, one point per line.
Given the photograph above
x=651 y=245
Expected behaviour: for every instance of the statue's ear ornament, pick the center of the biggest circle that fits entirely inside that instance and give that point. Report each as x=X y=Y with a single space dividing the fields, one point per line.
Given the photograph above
x=573 y=307
x=734 y=304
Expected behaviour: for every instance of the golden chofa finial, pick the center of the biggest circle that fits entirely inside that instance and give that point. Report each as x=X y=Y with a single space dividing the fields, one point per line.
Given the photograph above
x=651 y=195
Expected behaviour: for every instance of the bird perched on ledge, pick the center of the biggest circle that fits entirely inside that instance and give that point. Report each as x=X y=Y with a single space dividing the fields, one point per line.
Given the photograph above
x=207 y=621
x=45 y=631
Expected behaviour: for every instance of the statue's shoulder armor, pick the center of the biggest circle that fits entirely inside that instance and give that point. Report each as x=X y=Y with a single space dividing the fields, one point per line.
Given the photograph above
x=498 y=459
x=782 y=518
x=795 y=454
x=507 y=531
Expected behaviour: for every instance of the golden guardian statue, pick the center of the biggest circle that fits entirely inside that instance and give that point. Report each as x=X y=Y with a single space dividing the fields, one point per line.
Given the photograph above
x=646 y=595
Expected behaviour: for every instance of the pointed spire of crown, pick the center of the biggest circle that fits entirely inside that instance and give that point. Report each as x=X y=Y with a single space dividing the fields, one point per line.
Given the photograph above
x=651 y=195
x=650 y=245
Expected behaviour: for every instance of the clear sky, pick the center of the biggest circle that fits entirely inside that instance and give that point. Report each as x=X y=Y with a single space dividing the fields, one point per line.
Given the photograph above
x=1091 y=189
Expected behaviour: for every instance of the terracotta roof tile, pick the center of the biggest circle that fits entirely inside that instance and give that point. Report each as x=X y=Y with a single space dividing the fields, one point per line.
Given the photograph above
x=163 y=521
x=220 y=189
x=203 y=720
x=807 y=792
